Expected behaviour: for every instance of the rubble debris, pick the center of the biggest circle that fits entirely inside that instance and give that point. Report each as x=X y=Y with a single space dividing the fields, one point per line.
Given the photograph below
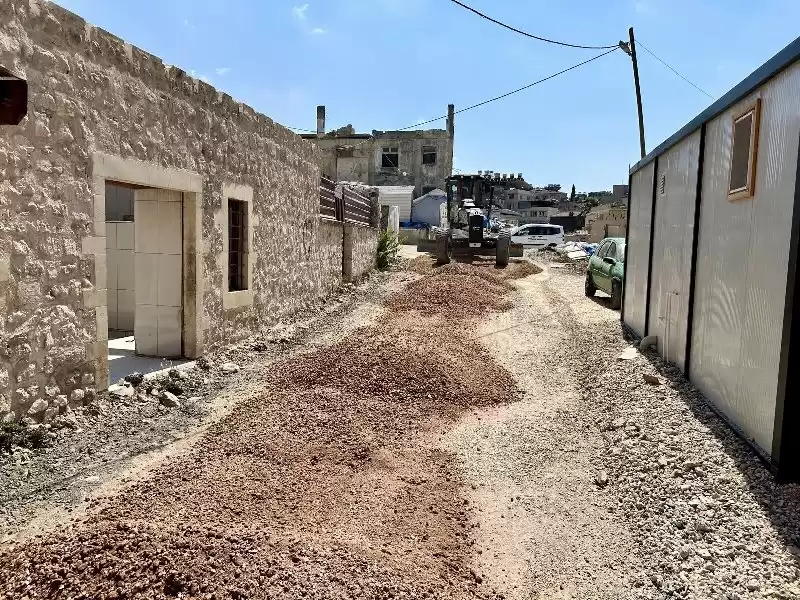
x=121 y=390
x=135 y=379
x=169 y=400
x=229 y=368
x=628 y=354
x=651 y=379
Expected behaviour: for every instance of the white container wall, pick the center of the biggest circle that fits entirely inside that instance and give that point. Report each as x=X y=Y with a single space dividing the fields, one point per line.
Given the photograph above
x=673 y=231
x=742 y=266
x=399 y=196
x=638 y=248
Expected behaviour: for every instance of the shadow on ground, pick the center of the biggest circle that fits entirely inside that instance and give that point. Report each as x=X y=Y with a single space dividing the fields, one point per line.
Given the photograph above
x=780 y=501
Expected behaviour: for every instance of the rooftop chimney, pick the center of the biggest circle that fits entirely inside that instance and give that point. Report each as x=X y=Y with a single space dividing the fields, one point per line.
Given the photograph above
x=451 y=113
x=320 y=121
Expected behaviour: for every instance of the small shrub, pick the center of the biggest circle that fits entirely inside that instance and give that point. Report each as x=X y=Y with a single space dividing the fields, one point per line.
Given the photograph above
x=388 y=245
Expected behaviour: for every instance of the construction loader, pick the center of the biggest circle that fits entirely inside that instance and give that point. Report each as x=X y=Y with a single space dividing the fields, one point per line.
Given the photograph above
x=466 y=232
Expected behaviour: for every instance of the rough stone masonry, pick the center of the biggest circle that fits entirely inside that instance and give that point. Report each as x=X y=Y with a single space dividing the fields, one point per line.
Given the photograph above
x=103 y=110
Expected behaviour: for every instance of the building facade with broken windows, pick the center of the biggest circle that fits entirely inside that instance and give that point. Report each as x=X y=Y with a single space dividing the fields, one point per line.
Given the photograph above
x=423 y=158
x=135 y=198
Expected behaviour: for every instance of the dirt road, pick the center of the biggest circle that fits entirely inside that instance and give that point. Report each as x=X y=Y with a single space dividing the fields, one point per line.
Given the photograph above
x=500 y=454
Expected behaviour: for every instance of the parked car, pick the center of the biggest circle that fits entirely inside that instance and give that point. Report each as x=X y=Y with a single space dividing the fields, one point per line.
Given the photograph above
x=606 y=270
x=538 y=236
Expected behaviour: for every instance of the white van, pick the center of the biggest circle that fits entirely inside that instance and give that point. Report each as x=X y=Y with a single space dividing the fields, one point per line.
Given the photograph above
x=538 y=235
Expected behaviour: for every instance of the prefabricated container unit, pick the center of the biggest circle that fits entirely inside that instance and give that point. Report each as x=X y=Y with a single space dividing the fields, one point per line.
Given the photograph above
x=399 y=196
x=711 y=257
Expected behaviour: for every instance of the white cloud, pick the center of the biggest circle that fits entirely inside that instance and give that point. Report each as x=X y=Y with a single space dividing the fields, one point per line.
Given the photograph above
x=299 y=12
x=187 y=24
x=223 y=71
x=318 y=31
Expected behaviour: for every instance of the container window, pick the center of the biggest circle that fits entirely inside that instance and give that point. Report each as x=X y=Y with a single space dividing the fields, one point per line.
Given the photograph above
x=744 y=153
x=429 y=155
x=662 y=186
x=237 y=232
x=390 y=158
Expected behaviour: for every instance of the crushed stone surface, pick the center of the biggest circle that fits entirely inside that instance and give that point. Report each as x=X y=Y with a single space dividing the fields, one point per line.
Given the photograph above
x=322 y=483
x=96 y=442
x=435 y=451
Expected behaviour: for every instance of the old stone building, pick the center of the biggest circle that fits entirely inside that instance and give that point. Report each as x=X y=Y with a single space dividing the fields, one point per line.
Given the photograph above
x=423 y=158
x=135 y=196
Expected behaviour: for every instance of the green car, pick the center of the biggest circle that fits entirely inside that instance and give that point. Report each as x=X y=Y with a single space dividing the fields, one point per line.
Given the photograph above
x=606 y=270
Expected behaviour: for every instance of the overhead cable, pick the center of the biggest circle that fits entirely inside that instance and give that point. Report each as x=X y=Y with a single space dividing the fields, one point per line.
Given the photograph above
x=530 y=35
x=695 y=86
x=523 y=88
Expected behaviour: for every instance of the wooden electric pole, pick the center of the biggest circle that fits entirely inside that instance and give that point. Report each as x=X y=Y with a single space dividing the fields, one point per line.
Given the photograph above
x=630 y=49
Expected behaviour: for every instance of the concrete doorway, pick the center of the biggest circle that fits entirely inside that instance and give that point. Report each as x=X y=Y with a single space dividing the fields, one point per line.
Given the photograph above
x=144 y=247
x=155 y=297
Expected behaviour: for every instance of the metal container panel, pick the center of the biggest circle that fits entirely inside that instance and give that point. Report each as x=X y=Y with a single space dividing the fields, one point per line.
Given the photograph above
x=672 y=248
x=641 y=205
x=742 y=263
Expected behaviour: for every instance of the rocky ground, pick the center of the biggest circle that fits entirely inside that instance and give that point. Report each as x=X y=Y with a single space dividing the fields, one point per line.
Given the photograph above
x=118 y=434
x=476 y=438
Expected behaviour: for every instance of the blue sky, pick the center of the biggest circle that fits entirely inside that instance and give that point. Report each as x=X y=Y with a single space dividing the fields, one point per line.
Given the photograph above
x=385 y=64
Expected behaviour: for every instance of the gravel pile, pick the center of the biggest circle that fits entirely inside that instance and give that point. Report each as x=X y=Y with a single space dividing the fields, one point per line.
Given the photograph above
x=317 y=487
x=88 y=445
x=460 y=290
x=711 y=521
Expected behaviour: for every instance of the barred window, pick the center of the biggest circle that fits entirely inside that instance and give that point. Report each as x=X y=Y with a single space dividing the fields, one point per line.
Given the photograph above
x=237 y=241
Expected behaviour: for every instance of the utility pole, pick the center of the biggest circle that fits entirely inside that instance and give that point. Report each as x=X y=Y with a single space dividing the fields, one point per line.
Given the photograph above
x=630 y=49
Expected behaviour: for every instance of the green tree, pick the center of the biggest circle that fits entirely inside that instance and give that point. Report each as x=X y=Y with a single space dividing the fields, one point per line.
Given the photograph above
x=588 y=204
x=572 y=194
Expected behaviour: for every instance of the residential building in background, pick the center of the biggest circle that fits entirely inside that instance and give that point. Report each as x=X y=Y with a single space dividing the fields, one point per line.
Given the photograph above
x=620 y=193
x=607 y=220
x=421 y=158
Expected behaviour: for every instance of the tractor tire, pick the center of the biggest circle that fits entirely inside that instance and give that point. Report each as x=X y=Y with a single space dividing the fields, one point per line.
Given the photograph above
x=503 y=250
x=616 y=295
x=589 y=287
x=442 y=249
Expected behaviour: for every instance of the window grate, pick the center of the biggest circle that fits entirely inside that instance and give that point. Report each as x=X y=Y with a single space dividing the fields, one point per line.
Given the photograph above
x=237 y=229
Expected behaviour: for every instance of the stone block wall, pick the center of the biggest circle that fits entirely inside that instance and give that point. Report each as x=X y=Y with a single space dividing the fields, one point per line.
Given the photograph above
x=96 y=105
x=329 y=248
x=360 y=251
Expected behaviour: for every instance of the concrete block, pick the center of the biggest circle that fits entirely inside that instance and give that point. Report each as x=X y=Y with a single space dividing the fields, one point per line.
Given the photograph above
x=93 y=245
x=94 y=297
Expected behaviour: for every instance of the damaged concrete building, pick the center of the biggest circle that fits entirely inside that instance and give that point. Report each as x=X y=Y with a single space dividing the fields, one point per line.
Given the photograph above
x=422 y=159
x=135 y=197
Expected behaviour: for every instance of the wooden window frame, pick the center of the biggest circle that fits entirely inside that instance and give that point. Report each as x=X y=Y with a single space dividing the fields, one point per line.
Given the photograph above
x=748 y=191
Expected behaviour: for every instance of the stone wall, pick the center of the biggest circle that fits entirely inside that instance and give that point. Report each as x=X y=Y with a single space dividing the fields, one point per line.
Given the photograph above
x=360 y=251
x=99 y=106
x=330 y=245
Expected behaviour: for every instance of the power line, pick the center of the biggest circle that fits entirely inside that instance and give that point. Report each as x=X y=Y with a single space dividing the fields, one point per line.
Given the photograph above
x=530 y=35
x=301 y=129
x=530 y=85
x=651 y=53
